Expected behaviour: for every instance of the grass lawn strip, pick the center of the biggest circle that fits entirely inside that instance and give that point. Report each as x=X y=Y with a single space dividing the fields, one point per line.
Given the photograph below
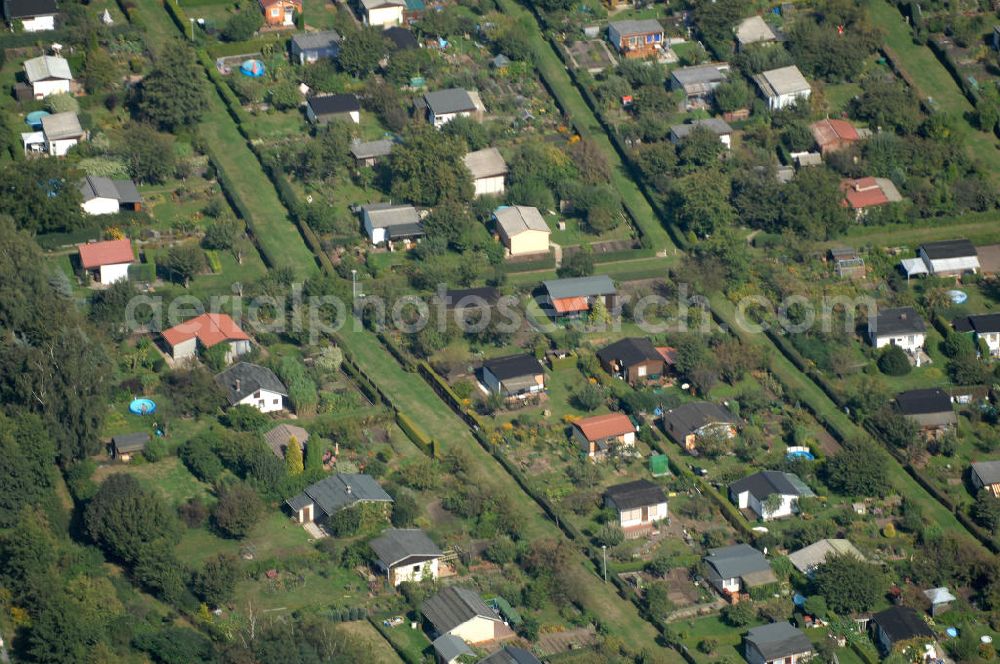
x=418 y=400
x=553 y=73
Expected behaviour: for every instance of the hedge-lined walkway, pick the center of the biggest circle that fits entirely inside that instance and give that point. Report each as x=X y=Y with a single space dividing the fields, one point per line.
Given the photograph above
x=413 y=396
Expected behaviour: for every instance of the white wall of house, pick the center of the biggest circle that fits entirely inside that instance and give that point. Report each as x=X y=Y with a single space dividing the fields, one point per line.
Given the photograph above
x=39 y=23
x=414 y=572
x=788 y=506
x=113 y=273
x=908 y=342
x=489 y=185
x=101 y=206
x=475 y=630
x=44 y=88
x=185 y=350
x=527 y=242
x=778 y=102
x=992 y=341
x=375 y=235
x=753 y=656
x=265 y=401
x=445 y=118
x=60 y=147
x=633 y=517
x=385 y=16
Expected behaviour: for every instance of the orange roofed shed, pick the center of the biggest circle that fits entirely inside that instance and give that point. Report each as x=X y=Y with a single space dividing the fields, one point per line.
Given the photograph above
x=107 y=261
x=208 y=330
x=597 y=434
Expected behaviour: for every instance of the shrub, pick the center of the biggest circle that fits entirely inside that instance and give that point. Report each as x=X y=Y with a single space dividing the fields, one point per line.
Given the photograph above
x=894 y=362
x=199 y=456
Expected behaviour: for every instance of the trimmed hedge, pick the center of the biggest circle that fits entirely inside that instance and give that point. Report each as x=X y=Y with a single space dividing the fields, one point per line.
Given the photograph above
x=623 y=255
x=179 y=16
x=229 y=98
x=229 y=49
x=416 y=434
x=547 y=263
x=51 y=241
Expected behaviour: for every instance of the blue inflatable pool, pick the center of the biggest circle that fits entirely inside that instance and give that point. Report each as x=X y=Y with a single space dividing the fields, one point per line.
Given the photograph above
x=142 y=406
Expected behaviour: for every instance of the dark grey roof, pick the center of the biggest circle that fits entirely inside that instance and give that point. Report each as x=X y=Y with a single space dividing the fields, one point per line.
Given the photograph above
x=767 y=482
x=130 y=442
x=988 y=471
x=308 y=41
x=901 y=623
x=453 y=100
x=630 y=351
x=243 y=379
x=334 y=104
x=962 y=324
x=453 y=606
x=985 y=323
x=690 y=417
x=700 y=74
x=123 y=191
x=715 y=125
x=639 y=493
x=514 y=366
x=14 y=9
x=403 y=231
x=919 y=402
x=949 y=249
x=779 y=640
x=599 y=284
x=369 y=149
x=397 y=544
x=903 y=320
x=471 y=298
x=737 y=560
x=401 y=38
x=449 y=647
x=338 y=491
x=511 y=655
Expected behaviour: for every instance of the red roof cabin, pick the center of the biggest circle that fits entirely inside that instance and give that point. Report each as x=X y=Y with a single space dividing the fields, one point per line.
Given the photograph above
x=108 y=261
x=602 y=433
x=834 y=135
x=206 y=331
x=280 y=12
x=869 y=192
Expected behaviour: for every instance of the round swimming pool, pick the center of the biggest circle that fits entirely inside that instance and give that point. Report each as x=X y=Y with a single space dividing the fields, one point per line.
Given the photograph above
x=142 y=406
x=801 y=454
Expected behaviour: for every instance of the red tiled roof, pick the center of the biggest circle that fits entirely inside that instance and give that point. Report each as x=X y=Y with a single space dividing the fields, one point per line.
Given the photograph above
x=110 y=252
x=863 y=193
x=566 y=304
x=209 y=329
x=828 y=131
x=605 y=426
x=668 y=353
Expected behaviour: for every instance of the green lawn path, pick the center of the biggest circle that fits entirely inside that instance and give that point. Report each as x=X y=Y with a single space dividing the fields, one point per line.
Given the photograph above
x=935 y=82
x=807 y=392
x=568 y=97
x=273 y=230
x=415 y=398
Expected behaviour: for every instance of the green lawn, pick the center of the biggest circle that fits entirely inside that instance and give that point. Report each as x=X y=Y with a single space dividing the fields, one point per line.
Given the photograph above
x=274 y=536
x=935 y=83
x=168 y=477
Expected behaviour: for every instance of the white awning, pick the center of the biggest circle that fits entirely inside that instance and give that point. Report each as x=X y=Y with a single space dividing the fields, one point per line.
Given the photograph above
x=912 y=266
